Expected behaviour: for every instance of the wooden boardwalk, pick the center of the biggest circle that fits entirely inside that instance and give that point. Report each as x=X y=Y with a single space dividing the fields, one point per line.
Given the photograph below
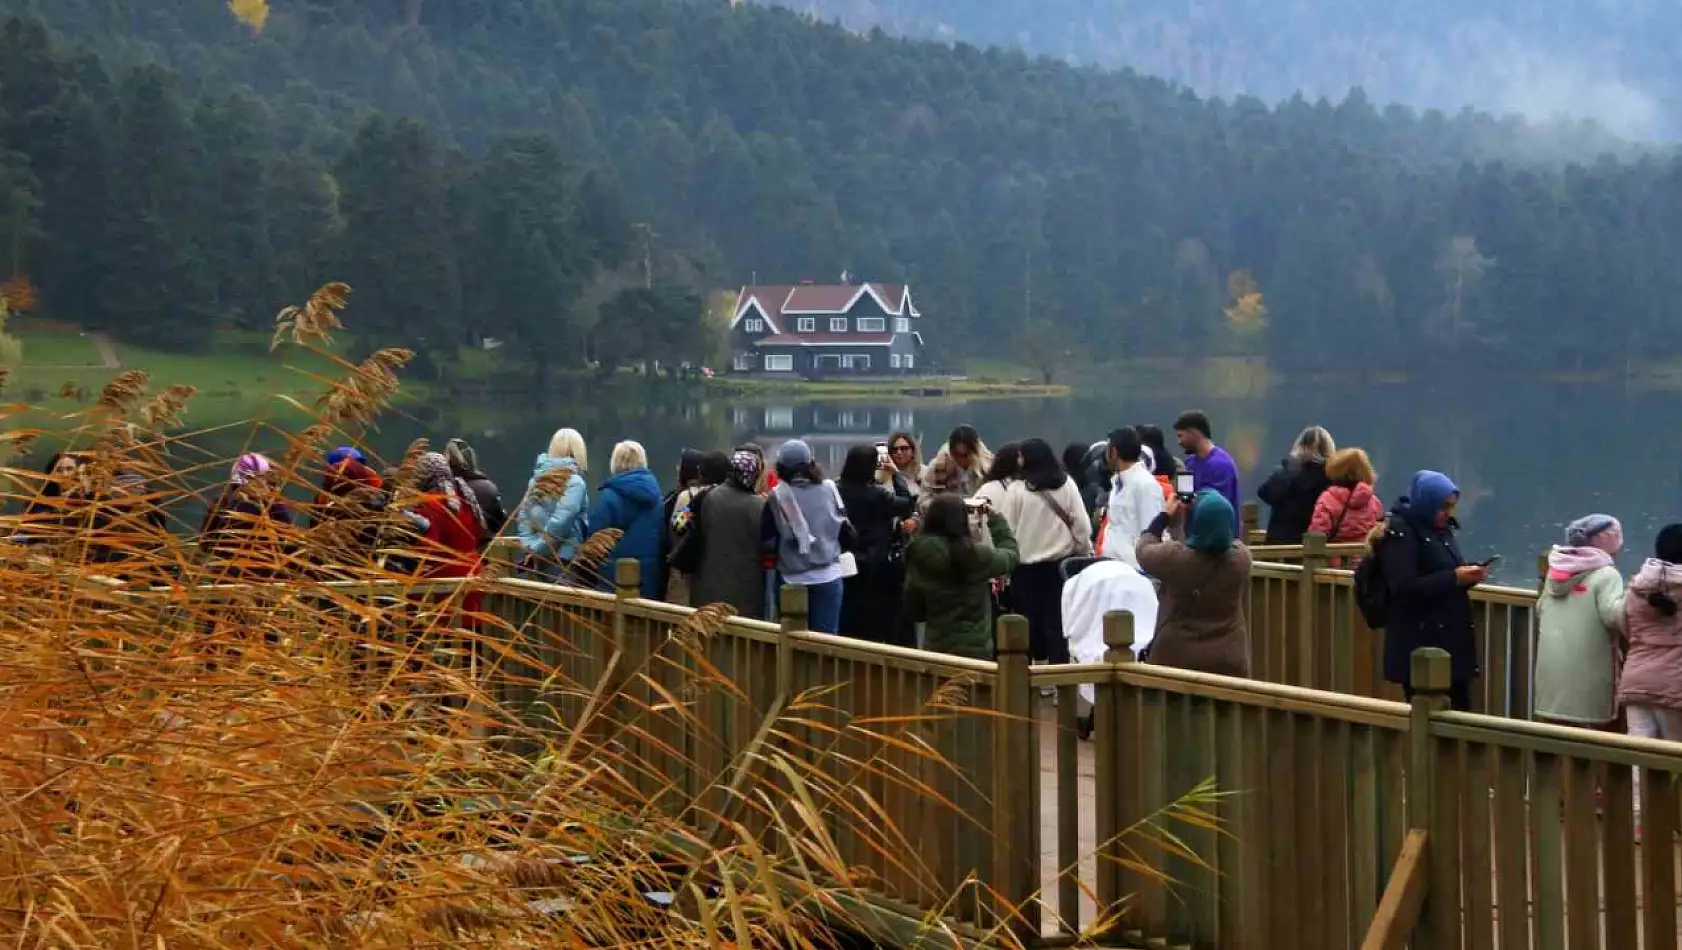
x=1087 y=825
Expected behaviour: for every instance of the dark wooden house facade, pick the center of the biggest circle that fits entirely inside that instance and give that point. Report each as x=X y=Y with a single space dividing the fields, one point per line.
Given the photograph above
x=816 y=331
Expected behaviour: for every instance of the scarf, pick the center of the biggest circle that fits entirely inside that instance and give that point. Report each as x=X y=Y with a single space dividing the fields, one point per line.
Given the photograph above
x=1212 y=523
x=744 y=471
x=433 y=475
x=249 y=466
x=783 y=497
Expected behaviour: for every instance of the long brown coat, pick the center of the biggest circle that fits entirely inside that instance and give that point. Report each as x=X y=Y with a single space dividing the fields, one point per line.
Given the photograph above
x=1200 y=620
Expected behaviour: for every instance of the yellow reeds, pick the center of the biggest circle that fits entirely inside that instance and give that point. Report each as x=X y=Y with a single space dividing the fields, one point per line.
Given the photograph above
x=284 y=736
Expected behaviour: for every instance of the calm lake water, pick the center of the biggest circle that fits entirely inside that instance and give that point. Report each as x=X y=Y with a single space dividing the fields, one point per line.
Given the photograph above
x=1528 y=456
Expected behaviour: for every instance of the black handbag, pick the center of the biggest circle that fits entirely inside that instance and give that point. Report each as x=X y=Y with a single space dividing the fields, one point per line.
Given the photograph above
x=686 y=549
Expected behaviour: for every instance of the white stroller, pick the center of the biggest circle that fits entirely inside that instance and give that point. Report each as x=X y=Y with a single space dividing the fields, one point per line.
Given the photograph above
x=1092 y=587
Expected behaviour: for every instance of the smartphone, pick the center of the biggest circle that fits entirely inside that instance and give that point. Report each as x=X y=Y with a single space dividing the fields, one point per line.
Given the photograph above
x=1184 y=486
x=1490 y=562
x=881 y=451
x=976 y=504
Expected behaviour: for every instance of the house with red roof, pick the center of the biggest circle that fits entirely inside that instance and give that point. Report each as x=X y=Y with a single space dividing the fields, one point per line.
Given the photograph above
x=814 y=331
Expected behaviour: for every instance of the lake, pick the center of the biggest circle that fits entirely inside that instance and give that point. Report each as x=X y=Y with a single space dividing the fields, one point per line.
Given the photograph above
x=1528 y=456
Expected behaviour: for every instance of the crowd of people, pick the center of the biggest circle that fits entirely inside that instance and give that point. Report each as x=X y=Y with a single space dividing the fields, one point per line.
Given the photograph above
x=927 y=554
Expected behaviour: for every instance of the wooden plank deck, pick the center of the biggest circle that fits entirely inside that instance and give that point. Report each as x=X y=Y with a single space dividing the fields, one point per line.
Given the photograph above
x=1529 y=936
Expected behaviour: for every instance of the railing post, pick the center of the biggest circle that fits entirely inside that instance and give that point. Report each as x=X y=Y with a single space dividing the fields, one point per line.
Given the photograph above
x=792 y=609
x=630 y=692
x=1111 y=764
x=1429 y=676
x=1249 y=514
x=1308 y=635
x=1016 y=776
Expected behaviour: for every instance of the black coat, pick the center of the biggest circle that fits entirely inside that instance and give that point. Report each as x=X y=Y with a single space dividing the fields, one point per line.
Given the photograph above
x=1428 y=605
x=490 y=502
x=1290 y=494
x=870 y=600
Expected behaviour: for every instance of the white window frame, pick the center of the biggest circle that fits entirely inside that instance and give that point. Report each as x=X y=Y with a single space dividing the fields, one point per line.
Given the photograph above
x=873 y=325
x=779 y=417
x=753 y=325
x=827 y=361
x=853 y=361
x=910 y=361
x=902 y=324
x=743 y=362
x=779 y=362
x=838 y=324
x=806 y=325
x=893 y=360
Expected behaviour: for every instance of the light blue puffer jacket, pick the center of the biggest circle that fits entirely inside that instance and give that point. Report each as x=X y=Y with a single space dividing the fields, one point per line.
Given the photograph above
x=548 y=523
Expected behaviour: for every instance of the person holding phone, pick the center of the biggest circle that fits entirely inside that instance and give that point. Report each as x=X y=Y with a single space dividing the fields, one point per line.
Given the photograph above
x=1430 y=585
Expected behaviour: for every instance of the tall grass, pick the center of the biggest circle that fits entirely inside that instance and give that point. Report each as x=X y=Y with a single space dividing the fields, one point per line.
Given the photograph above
x=290 y=746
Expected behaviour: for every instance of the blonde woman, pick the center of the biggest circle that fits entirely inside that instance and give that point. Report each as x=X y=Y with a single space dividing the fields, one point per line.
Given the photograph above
x=550 y=522
x=630 y=501
x=1291 y=492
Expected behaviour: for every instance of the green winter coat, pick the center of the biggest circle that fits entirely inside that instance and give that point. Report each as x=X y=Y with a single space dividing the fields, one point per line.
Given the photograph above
x=954 y=601
x=1579 y=629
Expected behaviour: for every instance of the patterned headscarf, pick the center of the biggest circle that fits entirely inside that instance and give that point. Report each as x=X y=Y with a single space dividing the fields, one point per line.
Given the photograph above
x=463 y=460
x=249 y=466
x=744 y=471
x=433 y=475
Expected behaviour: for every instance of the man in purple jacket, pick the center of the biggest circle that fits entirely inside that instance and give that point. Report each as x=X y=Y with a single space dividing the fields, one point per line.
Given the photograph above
x=1209 y=464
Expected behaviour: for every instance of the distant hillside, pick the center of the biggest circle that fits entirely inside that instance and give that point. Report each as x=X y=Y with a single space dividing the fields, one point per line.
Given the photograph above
x=477 y=167
x=1610 y=60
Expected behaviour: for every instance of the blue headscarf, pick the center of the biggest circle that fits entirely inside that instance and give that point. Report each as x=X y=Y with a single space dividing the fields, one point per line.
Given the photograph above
x=1427 y=494
x=1212 y=527
x=346 y=452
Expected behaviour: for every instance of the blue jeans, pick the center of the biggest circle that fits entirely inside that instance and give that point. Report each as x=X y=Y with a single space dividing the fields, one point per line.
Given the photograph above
x=823 y=607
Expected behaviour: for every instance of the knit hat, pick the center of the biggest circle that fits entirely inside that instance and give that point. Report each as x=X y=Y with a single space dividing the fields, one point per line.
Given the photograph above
x=793 y=454
x=1596 y=531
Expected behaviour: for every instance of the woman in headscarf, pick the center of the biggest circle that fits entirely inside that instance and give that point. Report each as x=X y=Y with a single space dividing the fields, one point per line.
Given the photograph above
x=1580 y=627
x=1200 y=618
x=242 y=527
x=1430 y=604
x=464 y=462
x=353 y=496
x=727 y=526
x=452 y=519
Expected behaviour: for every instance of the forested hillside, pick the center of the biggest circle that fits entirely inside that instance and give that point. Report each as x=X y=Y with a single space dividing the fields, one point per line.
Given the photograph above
x=567 y=174
x=1611 y=60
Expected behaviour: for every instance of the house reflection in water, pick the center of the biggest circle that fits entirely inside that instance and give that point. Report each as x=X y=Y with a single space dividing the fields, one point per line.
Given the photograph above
x=828 y=428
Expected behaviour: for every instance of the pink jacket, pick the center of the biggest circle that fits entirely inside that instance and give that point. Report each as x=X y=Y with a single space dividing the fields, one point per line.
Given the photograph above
x=1653 y=666
x=1359 y=509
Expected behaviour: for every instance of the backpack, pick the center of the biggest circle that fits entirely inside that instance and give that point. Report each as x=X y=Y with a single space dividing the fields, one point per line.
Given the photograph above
x=1372 y=591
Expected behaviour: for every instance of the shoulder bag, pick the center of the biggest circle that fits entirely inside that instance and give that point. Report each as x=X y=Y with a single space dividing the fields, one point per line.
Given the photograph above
x=1081 y=544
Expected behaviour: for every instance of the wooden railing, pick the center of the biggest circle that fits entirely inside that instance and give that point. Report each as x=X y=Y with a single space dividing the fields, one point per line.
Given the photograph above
x=1305 y=630
x=1338 y=821
x=1351 y=822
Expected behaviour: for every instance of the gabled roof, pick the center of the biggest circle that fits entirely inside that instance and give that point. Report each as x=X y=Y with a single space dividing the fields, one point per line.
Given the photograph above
x=776 y=301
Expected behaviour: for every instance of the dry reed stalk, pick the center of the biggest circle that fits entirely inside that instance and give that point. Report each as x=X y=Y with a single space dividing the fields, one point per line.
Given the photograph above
x=273 y=740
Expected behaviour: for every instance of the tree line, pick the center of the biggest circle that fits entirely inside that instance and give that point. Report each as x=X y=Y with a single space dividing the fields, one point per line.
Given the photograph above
x=527 y=169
